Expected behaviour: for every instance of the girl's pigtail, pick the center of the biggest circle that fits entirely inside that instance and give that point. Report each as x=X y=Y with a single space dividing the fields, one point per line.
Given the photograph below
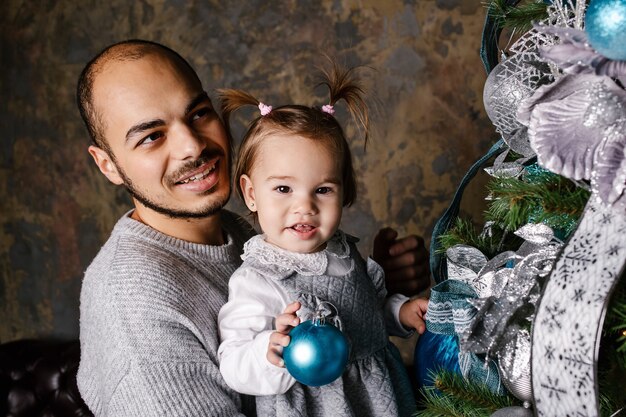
x=232 y=100
x=343 y=84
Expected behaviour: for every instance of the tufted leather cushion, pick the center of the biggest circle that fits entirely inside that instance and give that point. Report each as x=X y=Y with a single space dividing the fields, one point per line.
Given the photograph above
x=38 y=378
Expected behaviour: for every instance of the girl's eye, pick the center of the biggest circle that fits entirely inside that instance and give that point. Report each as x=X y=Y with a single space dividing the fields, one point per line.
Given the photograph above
x=283 y=189
x=324 y=190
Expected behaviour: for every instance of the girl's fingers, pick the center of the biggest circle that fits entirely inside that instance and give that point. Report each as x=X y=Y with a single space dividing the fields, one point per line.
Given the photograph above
x=279 y=340
x=275 y=348
x=285 y=322
x=275 y=358
x=288 y=319
x=292 y=308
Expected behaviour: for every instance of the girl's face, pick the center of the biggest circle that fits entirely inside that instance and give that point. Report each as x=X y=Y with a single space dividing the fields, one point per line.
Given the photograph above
x=295 y=188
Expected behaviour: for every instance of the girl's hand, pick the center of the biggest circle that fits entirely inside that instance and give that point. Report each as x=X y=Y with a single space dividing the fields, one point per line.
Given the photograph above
x=280 y=338
x=412 y=314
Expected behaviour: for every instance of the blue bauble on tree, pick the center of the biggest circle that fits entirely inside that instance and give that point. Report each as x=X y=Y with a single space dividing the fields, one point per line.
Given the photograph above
x=605 y=24
x=317 y=353
x=432 y=353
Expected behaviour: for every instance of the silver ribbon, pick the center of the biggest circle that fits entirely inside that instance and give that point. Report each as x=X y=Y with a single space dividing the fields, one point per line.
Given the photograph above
x=508 y=287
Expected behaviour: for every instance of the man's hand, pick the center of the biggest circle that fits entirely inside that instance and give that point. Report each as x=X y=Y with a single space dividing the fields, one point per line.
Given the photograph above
x=412 y=314
x=405 y=262
x=280 y=338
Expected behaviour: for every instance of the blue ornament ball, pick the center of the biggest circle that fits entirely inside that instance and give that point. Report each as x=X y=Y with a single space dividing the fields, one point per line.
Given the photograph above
x=432 y=353
x=317 y=353
x=605 y=24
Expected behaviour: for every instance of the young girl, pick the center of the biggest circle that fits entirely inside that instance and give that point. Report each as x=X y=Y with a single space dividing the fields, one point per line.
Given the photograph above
x=295 y=174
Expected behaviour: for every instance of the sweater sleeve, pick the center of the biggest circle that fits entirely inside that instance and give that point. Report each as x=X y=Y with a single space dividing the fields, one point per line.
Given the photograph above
x=175 y=389
x=173 y=369
x=246 y=322
x=162 y=343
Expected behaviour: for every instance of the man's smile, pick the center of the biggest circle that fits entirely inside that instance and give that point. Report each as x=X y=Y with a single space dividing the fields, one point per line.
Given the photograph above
x=200 y=173
x=201 y=179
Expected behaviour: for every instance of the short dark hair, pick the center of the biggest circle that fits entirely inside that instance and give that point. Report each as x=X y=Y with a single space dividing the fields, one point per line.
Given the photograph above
x=128 y=50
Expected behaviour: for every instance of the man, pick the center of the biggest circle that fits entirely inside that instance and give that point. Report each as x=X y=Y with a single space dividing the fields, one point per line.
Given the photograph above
x=150 y=299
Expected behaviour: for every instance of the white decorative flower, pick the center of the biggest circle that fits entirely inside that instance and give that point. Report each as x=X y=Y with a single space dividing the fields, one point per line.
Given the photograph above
x=574 y=55
x=577 y=128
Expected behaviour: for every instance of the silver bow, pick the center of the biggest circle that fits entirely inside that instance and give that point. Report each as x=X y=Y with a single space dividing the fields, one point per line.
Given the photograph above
x=508 y=287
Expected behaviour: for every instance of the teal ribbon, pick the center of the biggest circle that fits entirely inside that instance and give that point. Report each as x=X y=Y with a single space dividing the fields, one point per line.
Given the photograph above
x=438 y=265
x=450 y=313
x=448 y=308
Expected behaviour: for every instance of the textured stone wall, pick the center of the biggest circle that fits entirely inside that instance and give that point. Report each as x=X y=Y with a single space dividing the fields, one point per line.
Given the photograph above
x=57 y=209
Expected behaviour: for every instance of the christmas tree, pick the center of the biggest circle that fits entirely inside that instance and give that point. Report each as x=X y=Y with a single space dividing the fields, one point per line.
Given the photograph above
x=523 y=302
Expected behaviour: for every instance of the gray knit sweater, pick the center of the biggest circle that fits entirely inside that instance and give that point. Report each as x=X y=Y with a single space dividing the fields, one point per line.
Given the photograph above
x=148 y=323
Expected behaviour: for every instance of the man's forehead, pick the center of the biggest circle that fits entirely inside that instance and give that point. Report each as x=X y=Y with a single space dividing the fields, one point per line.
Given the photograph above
x=118 y=69
x=142 y=76
x=129 y=92
x=124 y=61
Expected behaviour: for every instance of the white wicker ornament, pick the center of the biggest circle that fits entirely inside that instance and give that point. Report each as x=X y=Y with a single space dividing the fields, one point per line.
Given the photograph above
x=510 y=82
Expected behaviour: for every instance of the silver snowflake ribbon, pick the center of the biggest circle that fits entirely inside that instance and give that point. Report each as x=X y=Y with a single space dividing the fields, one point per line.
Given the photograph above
x=568 y=325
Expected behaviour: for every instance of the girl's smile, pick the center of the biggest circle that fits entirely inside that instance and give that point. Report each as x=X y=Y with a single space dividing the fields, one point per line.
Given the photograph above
x=304 y=231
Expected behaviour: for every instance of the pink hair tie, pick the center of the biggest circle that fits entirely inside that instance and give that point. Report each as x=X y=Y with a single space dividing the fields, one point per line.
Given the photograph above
x=265 y=109
x=328 y=108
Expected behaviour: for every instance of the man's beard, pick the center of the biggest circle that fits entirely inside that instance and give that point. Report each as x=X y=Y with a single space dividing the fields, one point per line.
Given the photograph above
x=210 y=209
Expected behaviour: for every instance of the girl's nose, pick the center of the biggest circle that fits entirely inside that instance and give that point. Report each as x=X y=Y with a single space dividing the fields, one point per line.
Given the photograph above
x=305 y=206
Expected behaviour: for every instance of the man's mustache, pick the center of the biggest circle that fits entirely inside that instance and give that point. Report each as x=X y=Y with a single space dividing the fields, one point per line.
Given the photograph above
x=202 y=159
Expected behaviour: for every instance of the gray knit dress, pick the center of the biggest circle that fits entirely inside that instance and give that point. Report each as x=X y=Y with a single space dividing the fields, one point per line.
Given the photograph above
x=375 y=382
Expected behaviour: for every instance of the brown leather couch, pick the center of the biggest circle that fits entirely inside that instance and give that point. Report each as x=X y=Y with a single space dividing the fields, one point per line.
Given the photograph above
x=38 y=378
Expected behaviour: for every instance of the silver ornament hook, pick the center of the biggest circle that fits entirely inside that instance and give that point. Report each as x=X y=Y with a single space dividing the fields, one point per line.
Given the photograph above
x=327 y=312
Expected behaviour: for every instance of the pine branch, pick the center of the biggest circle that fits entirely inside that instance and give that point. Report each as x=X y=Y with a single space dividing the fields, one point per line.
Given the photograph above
x=520 y=17
x=464 y=233
x=452 y=395
x=436 y=405
x=547 y=198
x=607 y=405
x=619 y=311
x=477 y=394
x=617 y=315
x=612 y=354
x=615 y=321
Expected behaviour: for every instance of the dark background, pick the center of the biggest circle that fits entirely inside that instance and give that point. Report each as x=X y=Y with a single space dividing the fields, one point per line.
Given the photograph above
x=56 y=209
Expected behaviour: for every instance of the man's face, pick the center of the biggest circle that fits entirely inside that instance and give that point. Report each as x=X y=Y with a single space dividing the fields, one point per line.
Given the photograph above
x=168 y=145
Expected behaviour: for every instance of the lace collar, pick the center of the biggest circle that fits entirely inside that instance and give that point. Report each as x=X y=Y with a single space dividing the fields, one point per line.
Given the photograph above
x=285 y=262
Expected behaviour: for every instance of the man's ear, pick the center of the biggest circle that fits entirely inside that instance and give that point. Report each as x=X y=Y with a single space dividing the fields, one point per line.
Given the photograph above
x=248 y=192
x=105 y=164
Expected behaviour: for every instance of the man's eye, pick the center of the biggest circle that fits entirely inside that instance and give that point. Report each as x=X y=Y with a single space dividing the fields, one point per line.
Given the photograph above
x=151 y=138
x=283 y=189
x=203 y=112
x=324 y=190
